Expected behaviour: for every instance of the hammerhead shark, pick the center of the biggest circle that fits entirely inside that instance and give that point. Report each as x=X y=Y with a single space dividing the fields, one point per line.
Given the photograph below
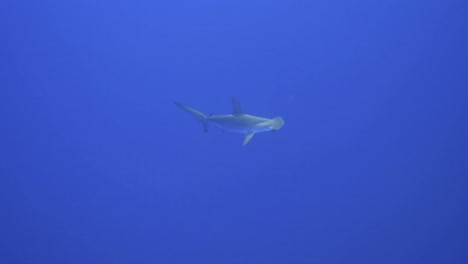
x=237 y=122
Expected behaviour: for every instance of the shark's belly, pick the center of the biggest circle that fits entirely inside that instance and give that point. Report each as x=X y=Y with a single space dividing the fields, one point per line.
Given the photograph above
x=240 y=125
x=231 y=127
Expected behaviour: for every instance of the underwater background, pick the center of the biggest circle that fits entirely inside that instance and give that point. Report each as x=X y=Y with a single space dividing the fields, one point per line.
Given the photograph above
x=97 y=165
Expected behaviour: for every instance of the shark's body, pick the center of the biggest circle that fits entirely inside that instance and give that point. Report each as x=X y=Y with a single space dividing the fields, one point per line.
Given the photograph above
x=237 y=122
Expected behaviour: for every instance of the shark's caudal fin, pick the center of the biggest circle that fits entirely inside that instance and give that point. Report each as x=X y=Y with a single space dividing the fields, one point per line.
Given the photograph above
x=197 y=114
x=236 y=109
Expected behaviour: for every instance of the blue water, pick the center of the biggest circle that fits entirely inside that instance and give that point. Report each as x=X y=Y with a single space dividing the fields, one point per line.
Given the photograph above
x=97 y=165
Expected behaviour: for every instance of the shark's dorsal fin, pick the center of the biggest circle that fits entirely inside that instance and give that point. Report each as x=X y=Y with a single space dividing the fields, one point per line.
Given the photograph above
x=248 y=137
x=236 y=109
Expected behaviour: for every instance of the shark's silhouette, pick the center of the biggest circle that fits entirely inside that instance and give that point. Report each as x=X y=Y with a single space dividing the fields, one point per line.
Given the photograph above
x=237 y=122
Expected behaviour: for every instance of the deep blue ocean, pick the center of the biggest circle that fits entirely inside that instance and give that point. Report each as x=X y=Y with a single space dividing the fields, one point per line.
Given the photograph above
x=97 y=164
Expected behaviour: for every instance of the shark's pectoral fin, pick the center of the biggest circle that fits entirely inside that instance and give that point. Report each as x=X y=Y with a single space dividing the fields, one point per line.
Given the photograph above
x=248 y=137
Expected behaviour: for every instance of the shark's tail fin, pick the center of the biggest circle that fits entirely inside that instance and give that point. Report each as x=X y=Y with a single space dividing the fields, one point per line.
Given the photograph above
x=197 y=114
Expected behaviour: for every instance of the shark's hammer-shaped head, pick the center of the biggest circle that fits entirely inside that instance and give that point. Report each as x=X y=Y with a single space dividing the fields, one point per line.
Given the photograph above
x=276 y=123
